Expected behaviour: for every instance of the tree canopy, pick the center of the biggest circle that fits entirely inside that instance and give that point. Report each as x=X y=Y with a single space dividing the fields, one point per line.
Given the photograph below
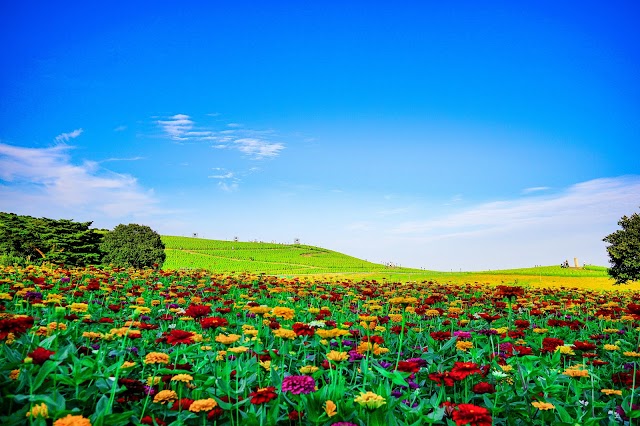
x=133 y=245
x=624 y=250
x=40 y=240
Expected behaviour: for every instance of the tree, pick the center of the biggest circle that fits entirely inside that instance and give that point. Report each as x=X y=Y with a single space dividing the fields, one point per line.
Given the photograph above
x=624 y=250
x=133 y=245
x=40 y=240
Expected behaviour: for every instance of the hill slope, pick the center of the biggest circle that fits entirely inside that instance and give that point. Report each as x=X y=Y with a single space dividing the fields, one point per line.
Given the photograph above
x=268 y=258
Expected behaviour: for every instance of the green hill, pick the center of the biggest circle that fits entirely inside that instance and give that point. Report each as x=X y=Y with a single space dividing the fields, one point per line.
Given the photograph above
x=268 y=258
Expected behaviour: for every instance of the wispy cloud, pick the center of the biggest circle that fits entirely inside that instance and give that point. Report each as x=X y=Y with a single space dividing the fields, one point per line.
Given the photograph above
x=44 y=181
x=254 y=144
x=66 y=137
x=535 y=189
x=120 y=129
x=579 y=205
x=176 y=126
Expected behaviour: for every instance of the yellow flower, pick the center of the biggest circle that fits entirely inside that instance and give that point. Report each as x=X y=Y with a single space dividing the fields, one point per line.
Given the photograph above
x=331 y=333
x=57 y=326
x=39 y=410
x=282 y=312
x=337 y=356
x=463 y=345
x=260 y=310
x=202 y=405
x=542 y=406
x=79 y=307
x=205 y=348
x=153 y=380
x=165 y=396
x=128 y=364
x=185 y=378
x=156 y=358
x=72 y=421
x=631 y=353
x=368 y=347
x=506 y=368
x=221 y=355
x=432 y=313
x=330 y=408
x=611 y=392
x=565 y=349
x=227 y=339
x=611 y=347
x=14 y=375
x=610 y=330
x=370 y=400
x=575 y=372
x=308 y=369
x=285 y=333
x=238 y=349
x=540 y=330
x=91 y=335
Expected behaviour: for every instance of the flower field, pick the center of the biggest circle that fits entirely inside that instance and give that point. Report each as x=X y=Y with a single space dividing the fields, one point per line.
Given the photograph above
x=117 y=347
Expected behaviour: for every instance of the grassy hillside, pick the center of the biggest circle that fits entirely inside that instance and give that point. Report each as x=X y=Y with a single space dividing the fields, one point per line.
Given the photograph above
x=268 y=258
x=301 y=260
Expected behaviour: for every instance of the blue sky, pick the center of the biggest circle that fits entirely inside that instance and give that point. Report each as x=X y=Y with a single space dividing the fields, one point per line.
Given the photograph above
x=480 y=135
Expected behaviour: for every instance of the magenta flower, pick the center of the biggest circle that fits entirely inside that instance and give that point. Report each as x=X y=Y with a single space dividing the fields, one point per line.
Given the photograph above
x=298 y=384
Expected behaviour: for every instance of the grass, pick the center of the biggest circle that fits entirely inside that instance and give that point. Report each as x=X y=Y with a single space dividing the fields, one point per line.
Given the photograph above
x=297 y=260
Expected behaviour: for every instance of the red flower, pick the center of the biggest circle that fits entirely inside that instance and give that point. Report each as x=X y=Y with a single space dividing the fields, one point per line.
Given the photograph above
x=197 y=311
x=549 y=344
x=489 y=318
x=302 y=329
x=483 y=387
x=16 y=326
x=148 y=420
x=441 y=378
x=295 y=415
x=469 y=414
x=408 y=366
x=182 y=404
x=180 y=336
x=462 y=370
x=213 y=322
x=263 y=395
x=40 y=355
x=441 y=335
x=522 y=323
x=374 y=339
x=583 y=346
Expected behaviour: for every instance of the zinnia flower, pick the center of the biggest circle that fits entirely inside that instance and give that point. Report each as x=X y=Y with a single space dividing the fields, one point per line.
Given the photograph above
x=39 y=410
x=370 y=400
x=282 y=312
x=298 y=384
x=469 y=414
x=263 y=395
x=543 y=406
x=40 y=355
x=180 y=337
x=330 y=408
x=165 y=396
x=156 y=358
x=70 y=420
x=203 y=405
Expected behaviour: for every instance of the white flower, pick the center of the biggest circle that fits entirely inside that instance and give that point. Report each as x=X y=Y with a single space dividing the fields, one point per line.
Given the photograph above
x=499 y=374
x=317 y=324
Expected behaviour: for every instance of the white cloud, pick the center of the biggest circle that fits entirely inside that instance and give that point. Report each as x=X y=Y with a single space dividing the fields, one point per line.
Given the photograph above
x=258 y=148
x=176 y=126
x=45 y=182
x=66 y=137
x=535 y=189
x=522 y=232
x=255 y=144
x=120 y=129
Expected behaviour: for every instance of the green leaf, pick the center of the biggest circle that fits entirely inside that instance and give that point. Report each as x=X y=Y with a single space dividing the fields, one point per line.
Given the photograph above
x=45 y=370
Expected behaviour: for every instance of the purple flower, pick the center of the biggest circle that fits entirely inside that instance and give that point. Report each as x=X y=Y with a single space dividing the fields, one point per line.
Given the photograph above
x=385 y=364
x=298 y=384
x=462 y=334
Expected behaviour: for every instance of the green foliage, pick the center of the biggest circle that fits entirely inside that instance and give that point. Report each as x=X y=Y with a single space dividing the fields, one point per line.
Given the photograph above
x=133 y=245
x=37 y=240
x=624 y=250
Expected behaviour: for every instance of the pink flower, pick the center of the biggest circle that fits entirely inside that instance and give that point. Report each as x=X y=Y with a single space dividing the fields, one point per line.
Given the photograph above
x=298 y=384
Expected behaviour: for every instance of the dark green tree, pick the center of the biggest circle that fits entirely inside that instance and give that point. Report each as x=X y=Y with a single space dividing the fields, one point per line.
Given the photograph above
x=40 y=240
x=624 y=250
x=133 y=245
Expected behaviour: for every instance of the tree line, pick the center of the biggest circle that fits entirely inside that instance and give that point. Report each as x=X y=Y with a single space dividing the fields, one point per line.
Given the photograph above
x=31 y=240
